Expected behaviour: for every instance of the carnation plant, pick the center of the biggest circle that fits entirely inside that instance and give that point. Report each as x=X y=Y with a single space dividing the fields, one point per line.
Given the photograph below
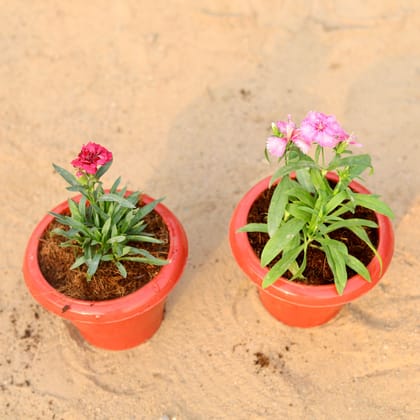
x=103 y=226
x=305 y=208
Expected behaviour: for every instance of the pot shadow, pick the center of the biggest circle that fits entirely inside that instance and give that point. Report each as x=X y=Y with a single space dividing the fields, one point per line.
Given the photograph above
x=382 y=104
x=221 y=137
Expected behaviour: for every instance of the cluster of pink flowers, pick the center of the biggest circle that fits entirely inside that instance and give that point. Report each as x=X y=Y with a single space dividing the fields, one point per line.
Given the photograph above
x=316 y=128
x=90 y=158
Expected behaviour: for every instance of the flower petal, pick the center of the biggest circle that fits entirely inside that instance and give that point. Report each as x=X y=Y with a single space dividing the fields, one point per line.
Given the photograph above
x=276 y=146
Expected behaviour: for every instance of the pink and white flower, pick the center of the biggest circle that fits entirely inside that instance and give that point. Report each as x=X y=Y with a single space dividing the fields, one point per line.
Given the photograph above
x=322 y=129
x=276 y=145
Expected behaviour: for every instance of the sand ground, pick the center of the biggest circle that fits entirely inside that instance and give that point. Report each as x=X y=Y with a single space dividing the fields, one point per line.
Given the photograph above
x=183 y=93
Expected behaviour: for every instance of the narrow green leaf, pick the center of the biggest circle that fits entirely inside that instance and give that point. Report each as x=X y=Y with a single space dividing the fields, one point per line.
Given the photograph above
x=74 y=210
x=121 y=269
x=302 y=195
x=146 y=260
x=106 y=227
x=143 y=238
x=278 y=204
x=372 y=201
x=118 y=239
x=61 y=232
x=335 y=201
x=254 y=227
x=93 y=264
x=281 y=266
x=336 y=253
x=147 y=208
x=82 y=207
x=70 y=178
x=293 y=167
x=353 y=161
x=133 y=198
x=77 y=188
x=358 y=267
x=304 y=179
x=115 y=185
x=300 y=212
x=280 y=240
x=68 y=221
x=349 y=223
x=319 y=182
x=79 y=261
x=101 y=171
x=117 y=199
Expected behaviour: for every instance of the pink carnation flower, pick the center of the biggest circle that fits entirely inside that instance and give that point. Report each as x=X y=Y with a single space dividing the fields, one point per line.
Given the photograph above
x=277 y=145
x=322 y=129
x=90 y=157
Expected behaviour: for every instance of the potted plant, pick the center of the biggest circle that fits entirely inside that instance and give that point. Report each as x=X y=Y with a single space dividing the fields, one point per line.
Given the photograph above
x=105 y=259
x=311 y=237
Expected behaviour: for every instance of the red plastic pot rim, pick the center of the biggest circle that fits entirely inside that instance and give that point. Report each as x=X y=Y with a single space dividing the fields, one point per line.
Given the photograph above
x=305 y=295
x=125 y=307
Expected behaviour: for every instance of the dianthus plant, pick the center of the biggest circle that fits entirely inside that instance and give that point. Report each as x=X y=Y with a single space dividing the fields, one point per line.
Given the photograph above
x=305 y=208
x=103 y=226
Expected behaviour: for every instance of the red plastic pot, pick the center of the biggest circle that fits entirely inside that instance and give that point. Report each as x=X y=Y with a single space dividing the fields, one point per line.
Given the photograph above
x=115 y=324
x=294 y=303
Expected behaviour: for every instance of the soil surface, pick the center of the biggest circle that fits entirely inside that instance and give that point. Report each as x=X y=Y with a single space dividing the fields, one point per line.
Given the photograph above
x=183 y=94
x=107 y=283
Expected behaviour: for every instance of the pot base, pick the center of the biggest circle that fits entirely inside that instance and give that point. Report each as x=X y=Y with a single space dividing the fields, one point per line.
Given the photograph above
x=129 y=333
x=297 y=316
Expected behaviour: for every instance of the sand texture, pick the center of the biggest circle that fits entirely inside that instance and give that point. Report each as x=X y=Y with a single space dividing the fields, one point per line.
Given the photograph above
x=183 y=93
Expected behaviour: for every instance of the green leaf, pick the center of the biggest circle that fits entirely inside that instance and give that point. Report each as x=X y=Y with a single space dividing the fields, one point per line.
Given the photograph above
x=281 y=266
x=293 y=167
x=70 y=178
x=335 y=201
x=93 y=264
x=101 y=171
x=372 y=201
x=300 y=212
x=358 y=267
x=77 y=188
x=278 y=204
x=276 y=244
x=106 y=227
x=79 y=261
x=115 y=185
x=302 y=195
x=254 y=227
x=82 y=207
x=147 y=208
x=68 y=221
x=319 y=182
x=61 y=232
x=349 y=223
x=117 y=199
x=344 y=208
x=146 y=260
x=121 y=269
x=118 y=239
x=133 y=198
x=74 y=210
x=143 y=238
x=336 y=253
x=361 y=233
x=358 y=162
x=304 y=179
